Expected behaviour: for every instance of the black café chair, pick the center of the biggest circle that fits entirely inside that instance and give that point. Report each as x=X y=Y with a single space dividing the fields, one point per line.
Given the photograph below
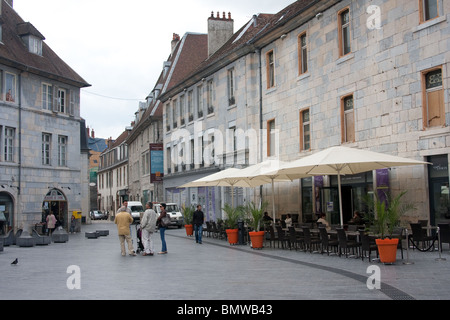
x=310 y=240
x=344 y=244
x=444 y=236
x=398 y=233
x=367 y=245
x=327 y=242
x=273 y=238
x=281 y=237
x=418 y=236
x=295 y=241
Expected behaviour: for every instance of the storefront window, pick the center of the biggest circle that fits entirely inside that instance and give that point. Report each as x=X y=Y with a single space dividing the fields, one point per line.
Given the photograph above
x=439 y=190
x=6 y=213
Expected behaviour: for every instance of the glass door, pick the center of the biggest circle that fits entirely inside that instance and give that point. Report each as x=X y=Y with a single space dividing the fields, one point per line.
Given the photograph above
x=439 y=190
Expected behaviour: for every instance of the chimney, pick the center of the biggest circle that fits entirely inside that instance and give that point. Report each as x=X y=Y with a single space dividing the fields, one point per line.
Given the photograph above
x=220 y=30
x=175 y=40
x=92 y=133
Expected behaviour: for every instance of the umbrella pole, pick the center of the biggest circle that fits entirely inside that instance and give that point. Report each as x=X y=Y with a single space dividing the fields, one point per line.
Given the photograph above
x=340 y=200
x=273 y=201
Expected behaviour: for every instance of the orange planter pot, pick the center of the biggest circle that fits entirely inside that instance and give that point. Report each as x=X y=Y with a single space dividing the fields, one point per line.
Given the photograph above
x=189 y=229
x=232 y=235
x=387 y=249
x=257 y=238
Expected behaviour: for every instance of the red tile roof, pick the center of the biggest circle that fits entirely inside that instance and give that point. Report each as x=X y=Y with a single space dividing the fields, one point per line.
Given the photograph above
x=14 y=53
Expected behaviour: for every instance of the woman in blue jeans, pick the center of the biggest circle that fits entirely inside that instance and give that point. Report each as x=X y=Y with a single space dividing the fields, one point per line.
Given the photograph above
x=162 y=230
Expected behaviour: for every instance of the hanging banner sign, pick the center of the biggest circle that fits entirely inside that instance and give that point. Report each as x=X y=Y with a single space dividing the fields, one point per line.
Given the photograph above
x=156 y=163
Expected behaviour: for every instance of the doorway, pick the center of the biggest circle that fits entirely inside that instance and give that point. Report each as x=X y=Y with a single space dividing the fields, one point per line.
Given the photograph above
x=330 y=204
x=439 y=190
x=56 y=202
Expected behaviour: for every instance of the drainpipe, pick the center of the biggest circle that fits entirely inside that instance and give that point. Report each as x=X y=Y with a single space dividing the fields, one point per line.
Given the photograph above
x=258 y=52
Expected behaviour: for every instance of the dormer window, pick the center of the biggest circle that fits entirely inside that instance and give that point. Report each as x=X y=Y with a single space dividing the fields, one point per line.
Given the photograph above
x=31 y=37
x=35 y=45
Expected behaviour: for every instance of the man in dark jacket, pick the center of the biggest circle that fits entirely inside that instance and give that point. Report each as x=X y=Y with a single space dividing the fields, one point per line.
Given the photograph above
x=197 y=221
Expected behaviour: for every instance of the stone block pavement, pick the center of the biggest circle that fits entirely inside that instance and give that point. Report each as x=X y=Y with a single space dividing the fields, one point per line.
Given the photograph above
x=213 y=271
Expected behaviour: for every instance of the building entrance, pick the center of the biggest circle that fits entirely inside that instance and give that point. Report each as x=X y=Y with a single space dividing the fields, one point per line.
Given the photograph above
x=56 y=202
x=6 y=213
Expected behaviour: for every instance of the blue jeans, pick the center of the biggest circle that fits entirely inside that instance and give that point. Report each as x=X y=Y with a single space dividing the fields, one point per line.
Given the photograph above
x=198 y=230
x=162 y=232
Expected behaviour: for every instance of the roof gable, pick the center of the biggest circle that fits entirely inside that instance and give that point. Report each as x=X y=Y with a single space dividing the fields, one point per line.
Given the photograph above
x=14 y=53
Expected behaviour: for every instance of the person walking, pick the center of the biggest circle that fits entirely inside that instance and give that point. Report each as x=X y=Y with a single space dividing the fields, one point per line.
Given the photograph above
x=148 y=227
x=51 y=223
x=197 y=220
x=123 y=220
x=162 y=229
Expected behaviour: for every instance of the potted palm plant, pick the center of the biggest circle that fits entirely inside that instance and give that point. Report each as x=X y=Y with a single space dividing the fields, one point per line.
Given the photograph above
x=188 y=213
x=233 y=215
x=389 y=211
x=256 y=215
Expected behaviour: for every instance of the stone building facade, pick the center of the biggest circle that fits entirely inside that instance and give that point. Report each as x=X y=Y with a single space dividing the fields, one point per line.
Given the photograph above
x=315 y=75
x=44 y=157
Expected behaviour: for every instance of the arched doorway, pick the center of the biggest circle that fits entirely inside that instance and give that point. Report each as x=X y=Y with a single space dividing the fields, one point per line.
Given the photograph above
x=6 y=212
x=56 y=202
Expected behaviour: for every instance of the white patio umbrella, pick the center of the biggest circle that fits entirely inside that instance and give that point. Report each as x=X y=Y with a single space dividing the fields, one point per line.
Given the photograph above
x=345 y=161
x=266 y=172
x=222 y=178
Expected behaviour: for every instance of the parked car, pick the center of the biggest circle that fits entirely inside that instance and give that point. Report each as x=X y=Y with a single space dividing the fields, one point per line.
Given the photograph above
x=172 y=209
x=98 y=215
x=136 y=210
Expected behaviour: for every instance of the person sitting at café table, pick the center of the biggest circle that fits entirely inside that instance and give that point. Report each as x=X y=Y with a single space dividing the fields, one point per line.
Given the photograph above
x=266 y=217
x=356 y=218
x=288 y=221
x=323 y=221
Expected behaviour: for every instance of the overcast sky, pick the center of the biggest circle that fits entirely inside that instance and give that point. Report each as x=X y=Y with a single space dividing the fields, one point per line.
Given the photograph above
x=119 y=46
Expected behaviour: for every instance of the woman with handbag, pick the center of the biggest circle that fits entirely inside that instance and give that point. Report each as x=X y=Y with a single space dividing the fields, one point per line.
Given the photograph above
x=162 y=223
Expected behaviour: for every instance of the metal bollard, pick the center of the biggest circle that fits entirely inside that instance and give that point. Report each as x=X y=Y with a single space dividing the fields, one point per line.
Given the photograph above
x=407 y=249
x=439 y=246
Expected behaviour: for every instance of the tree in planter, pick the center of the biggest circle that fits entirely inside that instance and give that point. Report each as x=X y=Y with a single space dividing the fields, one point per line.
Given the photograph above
x=256 y=214
x=188 y=213
x=389 y=211
x=233 y=216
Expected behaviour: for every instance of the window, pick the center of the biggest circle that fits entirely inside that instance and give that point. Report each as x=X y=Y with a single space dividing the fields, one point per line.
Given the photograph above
x=230 y=78
x=167 y=117
x=182 y=111
x=10 y=87
x=146 y=163
x=271 y=138
x=344 y=32
x=200 y=102
x=47 y=96
x=62 y=101
x=210 y=97
x=305 y=130
x=302 y=54
x=35 y=45
x=190 y=106
x=62 y=151
x=270 y=62
x=9 y=144
x=347 y=119
x=169 y=160
x=46 y=148
x=428 y=10
x=175 y=114
x=433 y=98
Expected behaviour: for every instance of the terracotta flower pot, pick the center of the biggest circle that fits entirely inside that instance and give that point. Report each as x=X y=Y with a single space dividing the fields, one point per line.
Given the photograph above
x=232 y=235
x=189 y=229
x=387 y=249
x=257 y=239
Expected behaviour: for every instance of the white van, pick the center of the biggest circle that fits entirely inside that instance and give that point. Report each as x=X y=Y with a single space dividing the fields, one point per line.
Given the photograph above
x=136 y=208
x=172 y=209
